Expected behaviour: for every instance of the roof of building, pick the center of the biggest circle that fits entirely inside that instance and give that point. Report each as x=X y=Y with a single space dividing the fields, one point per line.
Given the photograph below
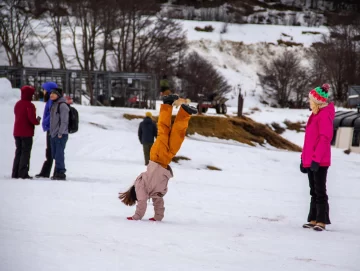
x=347 y=119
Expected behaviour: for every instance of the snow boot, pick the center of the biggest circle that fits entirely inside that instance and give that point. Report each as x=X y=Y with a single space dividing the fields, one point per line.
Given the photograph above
x=27 y=177
x=319 y=227
x=61 y=177
x=55 y=176
x=189 y=109
x=310 y=225
x=41 y=175
x=170 y=99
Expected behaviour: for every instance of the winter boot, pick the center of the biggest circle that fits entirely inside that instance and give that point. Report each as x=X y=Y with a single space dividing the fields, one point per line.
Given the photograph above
x=55 y=176
x=27 y=177
x=189 y=109
x=170 y=99
x=61 y=177
x=310 y=225
x=319 y=227
x=41 y=175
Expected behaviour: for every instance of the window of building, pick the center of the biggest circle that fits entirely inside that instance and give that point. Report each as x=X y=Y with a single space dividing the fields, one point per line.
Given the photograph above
x=356 y=138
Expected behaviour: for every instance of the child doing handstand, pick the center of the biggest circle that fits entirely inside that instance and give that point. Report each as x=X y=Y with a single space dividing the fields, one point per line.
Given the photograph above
x=154 y=181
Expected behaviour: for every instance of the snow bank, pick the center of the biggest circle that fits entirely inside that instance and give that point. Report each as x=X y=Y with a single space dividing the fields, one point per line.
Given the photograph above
x=8 y=95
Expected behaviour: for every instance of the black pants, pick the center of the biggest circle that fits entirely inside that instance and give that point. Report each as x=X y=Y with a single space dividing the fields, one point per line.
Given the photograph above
x=21 y=164
x=46 y=168
x=319 y=206
x=147 y=149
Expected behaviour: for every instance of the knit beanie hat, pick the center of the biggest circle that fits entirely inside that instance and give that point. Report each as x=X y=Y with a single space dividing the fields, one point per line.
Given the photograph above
x=58 y=92
x=320 y=95
x=48 y=86
x=148 y=114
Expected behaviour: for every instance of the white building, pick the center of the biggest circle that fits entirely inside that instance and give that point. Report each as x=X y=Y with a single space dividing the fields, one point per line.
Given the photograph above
x=347 y=130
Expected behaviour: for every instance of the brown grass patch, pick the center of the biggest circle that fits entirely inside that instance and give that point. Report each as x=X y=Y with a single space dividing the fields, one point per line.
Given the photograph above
x=98 y=125
x=176 y=159
x=213 y=168
x=289 y=43
x=132 y=117
x=310 y=33
x=255 y=109
x=241 y=129
x=295 y=126
x=278 y=129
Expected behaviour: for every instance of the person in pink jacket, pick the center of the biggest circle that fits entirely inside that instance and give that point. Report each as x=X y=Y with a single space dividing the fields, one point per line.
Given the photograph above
x=316 y=155
x=154 y=181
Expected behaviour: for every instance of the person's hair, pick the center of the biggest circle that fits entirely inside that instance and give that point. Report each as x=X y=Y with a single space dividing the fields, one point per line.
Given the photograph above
x=46 y=97
x=315 y=107
x=128 y=197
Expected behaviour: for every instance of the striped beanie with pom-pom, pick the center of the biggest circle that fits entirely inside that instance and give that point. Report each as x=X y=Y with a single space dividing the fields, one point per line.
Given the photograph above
x=320 y=95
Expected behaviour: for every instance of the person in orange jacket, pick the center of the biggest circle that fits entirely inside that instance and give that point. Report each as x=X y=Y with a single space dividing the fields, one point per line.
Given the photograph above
x=154 y=181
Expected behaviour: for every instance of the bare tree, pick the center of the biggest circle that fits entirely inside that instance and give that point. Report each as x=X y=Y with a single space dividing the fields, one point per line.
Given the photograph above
x=284 y=78
x=337 y=60
x=15 y=20
x=200 y=78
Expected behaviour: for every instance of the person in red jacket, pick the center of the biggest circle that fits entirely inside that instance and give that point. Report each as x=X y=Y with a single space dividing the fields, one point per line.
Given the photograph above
x=25 y=121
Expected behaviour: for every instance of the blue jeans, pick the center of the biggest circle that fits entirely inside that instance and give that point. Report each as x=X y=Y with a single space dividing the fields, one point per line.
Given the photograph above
x=58 y=152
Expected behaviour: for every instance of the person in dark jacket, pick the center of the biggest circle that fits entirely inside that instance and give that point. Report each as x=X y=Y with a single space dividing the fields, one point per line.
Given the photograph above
x=59 y=123
x=147 y=132
x=25 y=121
x=46 y=168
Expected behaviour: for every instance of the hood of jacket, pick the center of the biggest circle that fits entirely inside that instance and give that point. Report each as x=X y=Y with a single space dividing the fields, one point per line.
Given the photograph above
x=27 y=93
x=328 y=110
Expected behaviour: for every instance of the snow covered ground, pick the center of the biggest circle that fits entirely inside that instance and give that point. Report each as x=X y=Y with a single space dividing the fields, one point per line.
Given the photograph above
x=246 y=217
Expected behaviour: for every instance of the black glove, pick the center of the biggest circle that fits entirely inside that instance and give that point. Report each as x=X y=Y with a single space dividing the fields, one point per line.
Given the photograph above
x=302 y=169
x=314 y=166
x=38 y=119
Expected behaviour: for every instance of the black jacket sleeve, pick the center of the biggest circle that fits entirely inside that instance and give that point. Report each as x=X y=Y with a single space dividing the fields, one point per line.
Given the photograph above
x=140 y=132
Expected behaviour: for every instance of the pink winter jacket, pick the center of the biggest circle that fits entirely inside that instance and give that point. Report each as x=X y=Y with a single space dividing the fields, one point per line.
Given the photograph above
x=152 y=184
x=318 y=136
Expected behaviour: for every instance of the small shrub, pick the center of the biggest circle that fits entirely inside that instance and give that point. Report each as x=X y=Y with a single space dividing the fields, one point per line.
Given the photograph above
x=310 y=33
x=289 y=43
x=255 y=109
x=207 y=28
x=176 y=159
x=277 y=128
x=317 y=44
x=213 y=168
x=295 y=126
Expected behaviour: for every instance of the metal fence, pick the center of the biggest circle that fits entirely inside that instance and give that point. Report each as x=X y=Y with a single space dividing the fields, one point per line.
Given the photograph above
x=108 y=88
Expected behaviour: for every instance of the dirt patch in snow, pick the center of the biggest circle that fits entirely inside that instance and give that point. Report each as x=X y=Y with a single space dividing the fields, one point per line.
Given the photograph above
x=241 y=129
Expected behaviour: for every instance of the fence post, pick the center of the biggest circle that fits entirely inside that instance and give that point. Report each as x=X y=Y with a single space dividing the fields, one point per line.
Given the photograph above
x=240 y=105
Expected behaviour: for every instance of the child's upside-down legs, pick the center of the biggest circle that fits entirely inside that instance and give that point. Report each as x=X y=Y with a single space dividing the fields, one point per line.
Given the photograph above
x=170 y=139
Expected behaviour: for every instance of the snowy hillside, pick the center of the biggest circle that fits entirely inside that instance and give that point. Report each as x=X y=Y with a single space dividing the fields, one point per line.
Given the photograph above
x=237 y=54
x=246 y=217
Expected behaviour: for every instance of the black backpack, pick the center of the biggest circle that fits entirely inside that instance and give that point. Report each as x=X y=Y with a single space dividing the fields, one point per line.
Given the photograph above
x=73 y=126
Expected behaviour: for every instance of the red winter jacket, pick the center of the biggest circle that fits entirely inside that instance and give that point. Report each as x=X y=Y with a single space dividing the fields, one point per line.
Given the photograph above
x=25 y=114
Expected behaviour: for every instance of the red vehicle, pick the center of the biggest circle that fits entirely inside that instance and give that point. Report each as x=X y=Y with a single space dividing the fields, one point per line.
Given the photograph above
x=213 y=101
x=135 y=103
